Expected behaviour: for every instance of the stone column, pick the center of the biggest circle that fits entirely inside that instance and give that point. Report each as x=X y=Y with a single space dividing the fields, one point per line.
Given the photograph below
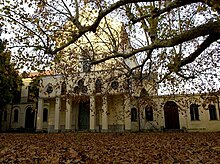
x=104 y=114
x=40 y=114
x=68 y=114
x=127 y=112
x=92 y=114
x=57 y=114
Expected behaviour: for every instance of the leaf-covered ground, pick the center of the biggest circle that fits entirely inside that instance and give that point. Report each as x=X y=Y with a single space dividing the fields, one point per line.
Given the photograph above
x=110 y=148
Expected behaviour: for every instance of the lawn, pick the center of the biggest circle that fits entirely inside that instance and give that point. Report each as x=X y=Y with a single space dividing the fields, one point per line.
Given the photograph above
x=110 y=148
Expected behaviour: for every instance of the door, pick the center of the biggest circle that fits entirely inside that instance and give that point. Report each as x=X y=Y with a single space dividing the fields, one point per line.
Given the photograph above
x=171 y=115
x=29 y=118
x=84 y=109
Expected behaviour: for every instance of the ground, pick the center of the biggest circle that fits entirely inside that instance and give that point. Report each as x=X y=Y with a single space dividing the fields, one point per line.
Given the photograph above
x=110 y=148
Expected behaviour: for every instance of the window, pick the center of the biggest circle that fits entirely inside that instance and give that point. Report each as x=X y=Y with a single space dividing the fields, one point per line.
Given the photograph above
x=16 y=115
x=212 y=112
x=149 y=113
x=45 y=115
x=133 y=114
x=86 y=66
x=5 y=116
x=98 y=86
x=63 y=88
x=114 y=85
x=194 y=112
x=17 y=97
x=85 y=61
x=49 y=89
x=30 y=94
x=143 y=93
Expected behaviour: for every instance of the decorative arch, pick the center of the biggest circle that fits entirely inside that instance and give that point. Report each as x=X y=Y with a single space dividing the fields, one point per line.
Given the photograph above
x=171 y=115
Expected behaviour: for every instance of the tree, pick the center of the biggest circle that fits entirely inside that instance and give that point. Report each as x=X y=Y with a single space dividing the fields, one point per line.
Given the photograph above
x=10 y=80
x=176 y=39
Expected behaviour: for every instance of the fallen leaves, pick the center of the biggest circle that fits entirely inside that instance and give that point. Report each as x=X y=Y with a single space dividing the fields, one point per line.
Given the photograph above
x=110 y=148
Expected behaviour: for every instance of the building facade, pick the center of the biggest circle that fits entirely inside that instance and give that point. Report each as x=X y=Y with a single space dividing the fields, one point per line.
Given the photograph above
x=95 y=101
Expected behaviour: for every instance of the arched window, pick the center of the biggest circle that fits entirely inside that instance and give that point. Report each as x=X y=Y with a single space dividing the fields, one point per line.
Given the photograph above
x=63 y=88
x=45 y=115
x=194 y=112
x=5 y=115
x=149 y=113
x=144 y=93
x=98 y=86
x=16 y=112
x=133 y=114
x=212 y=112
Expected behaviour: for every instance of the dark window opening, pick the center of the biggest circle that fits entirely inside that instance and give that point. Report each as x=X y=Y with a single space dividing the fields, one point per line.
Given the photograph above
x=133 y=114
x=149 y=113
x=194 y=112
x=45 y=115
x=144 y=93
x=63 y=88
x=212 y=112
x=5 y=115
x=49 y=89
x=84 y=89
x=17 y=97
x=98 y=86
x=76 y=90
x=16 y=115
x=81 y=83
x=86 y=66
x=114 y=85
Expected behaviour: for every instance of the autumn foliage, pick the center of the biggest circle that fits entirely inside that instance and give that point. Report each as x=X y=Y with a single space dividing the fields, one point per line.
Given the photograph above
x=168 y=147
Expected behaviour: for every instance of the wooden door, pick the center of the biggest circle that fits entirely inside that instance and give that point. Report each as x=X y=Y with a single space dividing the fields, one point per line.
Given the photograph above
x=171 y=115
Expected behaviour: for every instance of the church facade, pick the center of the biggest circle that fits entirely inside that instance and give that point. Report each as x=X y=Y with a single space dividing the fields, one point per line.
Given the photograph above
x=97 y=102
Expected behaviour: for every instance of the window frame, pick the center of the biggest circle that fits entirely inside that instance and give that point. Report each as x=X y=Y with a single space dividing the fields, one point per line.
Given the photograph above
x=149 y=114
x=133 y=114
x=194 y=112
x=212 y=112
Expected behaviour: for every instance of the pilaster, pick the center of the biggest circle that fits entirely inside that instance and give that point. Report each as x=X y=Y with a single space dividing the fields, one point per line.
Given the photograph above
x=40 y=114
x=127 y=113
x=104 y=114
x=57 y=114
x=68 y=114
x=92 y=113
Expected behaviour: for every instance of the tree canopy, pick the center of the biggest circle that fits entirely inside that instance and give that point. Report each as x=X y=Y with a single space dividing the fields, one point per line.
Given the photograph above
x=176 y=39
x=10 y=80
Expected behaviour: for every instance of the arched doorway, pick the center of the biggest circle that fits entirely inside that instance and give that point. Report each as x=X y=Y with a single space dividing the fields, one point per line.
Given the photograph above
x=171 y=115
x=29 y=118
x=84 y=110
